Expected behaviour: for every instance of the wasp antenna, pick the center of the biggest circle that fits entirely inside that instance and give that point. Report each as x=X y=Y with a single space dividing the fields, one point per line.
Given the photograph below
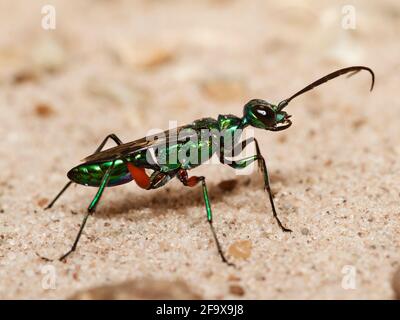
x=352 y=70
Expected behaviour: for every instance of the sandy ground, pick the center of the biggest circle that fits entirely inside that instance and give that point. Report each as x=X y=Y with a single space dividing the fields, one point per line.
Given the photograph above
x=130 y=66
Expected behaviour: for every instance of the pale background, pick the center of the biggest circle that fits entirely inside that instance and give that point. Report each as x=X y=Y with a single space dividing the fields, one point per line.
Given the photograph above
x=130 y=66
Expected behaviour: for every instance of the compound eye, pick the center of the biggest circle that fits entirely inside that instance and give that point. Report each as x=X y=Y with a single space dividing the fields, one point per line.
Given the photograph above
x=266 y=115
x=265 y=112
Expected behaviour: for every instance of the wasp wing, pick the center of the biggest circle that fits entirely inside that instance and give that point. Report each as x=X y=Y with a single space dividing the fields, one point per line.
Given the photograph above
x=169 y=137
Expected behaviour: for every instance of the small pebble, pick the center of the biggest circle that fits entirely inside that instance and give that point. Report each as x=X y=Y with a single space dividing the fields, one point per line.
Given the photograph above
x=282 y=138
x=156 y=58
x=42 y=202
x=146 y=57
x=328 y=163
x=359 y=123
x=24 y=76
x=165 y=246
x=43 y=110
x=240 y=249
x=232 y=277
x=54 y=218
x=236 y=290
x=305 y=231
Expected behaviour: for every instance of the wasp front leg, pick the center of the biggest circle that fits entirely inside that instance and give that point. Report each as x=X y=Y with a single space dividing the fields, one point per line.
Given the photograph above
x=242 y=163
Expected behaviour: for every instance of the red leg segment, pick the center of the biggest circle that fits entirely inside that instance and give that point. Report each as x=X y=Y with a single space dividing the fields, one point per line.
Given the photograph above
x=190 y=182
x=139 y=175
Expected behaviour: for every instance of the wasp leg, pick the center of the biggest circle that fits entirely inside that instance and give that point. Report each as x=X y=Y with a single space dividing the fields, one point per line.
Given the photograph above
x=91 y=208
x=158 y=179
x=234 y=151
x=240 y=164
x=58 y=195
x=110 y=136
x=191 y=182
x=101 y=146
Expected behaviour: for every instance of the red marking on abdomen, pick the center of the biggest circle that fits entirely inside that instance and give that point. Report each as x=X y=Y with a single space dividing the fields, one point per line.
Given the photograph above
x=139 y=175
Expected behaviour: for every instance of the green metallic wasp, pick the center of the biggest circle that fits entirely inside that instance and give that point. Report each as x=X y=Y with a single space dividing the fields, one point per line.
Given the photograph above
x=132 y=161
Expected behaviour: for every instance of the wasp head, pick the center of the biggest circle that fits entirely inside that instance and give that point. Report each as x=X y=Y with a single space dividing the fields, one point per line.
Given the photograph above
x=261 y=114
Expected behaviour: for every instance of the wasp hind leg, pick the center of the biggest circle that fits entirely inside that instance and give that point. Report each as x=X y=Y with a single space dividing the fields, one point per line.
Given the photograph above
x=91 y=209
x=58 y=195
x=110 y=136
x=100 y=147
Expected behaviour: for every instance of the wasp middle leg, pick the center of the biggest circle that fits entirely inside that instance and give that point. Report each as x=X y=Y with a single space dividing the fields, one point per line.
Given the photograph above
x=191 y=182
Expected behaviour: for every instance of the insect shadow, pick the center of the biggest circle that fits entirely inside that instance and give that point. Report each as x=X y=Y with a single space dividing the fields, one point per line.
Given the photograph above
x=165 y=200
